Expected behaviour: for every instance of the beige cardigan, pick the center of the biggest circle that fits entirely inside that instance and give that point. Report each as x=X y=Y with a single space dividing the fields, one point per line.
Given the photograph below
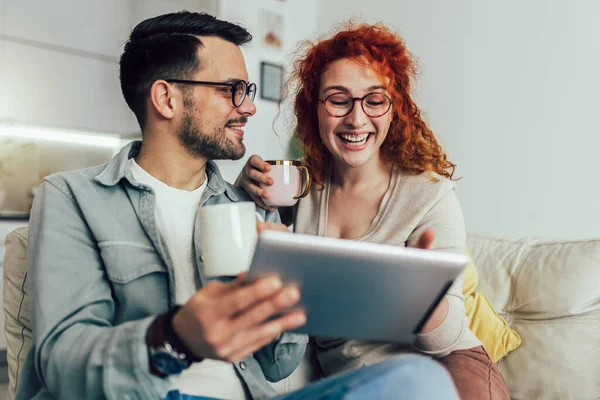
x=412 y=204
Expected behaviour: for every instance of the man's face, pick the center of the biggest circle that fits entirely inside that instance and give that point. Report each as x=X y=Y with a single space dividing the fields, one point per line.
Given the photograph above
x=211 y=126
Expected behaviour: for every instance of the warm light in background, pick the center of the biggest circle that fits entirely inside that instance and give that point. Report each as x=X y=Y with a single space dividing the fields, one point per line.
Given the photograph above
x=64 y=136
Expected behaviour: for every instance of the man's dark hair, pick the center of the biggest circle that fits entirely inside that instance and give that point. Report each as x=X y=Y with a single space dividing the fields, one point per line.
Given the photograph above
x=167 y=47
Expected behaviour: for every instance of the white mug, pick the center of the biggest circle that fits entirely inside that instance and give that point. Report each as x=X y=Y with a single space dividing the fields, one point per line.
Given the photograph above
x=228 y=237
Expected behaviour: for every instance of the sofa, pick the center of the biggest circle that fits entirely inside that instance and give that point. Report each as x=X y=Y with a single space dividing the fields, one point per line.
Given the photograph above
x=548 y=291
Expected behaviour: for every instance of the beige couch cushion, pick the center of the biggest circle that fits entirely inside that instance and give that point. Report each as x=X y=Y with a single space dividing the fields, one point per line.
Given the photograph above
x=549 y=292
x=16 y=326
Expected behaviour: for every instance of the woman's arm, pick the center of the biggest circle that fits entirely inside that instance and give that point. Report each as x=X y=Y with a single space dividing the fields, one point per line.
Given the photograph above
x=449 y=323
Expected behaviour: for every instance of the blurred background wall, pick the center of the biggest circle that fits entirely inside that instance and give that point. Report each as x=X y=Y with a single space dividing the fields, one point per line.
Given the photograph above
x=510 y=88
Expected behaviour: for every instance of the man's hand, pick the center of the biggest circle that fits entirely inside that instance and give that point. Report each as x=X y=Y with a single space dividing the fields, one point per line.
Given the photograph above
x=229 y=321
x=441 y=311
x=271 y=226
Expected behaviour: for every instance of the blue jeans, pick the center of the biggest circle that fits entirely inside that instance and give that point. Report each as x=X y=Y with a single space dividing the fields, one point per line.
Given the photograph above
x=404 y=377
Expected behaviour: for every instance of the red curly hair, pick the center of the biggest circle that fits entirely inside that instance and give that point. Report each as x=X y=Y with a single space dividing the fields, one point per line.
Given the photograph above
x=409 y=143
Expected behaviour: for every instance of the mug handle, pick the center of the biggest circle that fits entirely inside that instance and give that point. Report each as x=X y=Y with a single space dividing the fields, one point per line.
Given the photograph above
x=307 y=181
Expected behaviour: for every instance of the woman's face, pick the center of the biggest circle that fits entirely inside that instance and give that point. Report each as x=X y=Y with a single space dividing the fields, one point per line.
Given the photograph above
x=353 y=139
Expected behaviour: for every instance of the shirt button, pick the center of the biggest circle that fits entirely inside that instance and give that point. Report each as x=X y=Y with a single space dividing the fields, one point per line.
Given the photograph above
x=243 y=365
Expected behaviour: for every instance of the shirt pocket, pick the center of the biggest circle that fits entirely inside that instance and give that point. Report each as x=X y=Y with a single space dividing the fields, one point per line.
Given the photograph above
x=138 y=278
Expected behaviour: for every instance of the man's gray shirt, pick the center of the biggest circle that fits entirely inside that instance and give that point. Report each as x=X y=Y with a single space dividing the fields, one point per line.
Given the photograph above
x=98 y=276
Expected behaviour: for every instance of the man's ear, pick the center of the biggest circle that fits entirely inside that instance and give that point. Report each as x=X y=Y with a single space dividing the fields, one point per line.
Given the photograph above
x=163 y=98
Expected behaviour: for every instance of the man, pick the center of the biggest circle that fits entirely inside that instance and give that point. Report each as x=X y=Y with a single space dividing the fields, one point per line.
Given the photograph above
x=119 y=305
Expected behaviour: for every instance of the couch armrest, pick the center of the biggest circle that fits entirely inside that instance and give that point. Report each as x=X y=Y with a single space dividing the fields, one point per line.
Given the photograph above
x=17 y=326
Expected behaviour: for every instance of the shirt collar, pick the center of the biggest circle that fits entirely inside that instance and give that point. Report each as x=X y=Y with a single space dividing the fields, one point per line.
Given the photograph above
x=118 y=168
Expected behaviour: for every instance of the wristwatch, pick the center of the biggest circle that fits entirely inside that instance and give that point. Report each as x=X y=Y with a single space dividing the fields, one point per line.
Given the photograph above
x=167 y=354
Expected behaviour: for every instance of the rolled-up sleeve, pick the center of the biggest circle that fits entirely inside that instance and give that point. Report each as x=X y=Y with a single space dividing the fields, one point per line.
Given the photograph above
x=281 y=357
x=79 y=353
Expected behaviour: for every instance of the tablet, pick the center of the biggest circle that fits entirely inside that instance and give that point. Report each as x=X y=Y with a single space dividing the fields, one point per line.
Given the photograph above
x=358 y=290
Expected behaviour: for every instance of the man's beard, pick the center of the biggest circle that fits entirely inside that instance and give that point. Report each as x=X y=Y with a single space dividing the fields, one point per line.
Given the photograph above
x=213 y=145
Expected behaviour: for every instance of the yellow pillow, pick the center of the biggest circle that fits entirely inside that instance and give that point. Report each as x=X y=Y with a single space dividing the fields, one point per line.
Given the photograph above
x=497 y=337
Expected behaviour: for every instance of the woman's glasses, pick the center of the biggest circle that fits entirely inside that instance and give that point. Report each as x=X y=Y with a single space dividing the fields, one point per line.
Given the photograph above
x=341 y=104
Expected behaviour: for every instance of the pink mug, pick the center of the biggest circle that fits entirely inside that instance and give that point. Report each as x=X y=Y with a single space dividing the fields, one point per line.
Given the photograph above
x=288 y=185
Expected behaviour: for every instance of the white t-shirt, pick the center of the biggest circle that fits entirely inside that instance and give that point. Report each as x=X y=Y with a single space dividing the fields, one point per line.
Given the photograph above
x=175 y=215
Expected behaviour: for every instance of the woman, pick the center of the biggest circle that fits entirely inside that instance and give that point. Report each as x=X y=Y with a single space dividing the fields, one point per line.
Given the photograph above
x=375 y=159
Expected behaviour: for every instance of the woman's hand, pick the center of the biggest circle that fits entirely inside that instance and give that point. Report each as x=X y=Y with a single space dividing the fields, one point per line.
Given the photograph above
x=441 y=311
x=250 y=178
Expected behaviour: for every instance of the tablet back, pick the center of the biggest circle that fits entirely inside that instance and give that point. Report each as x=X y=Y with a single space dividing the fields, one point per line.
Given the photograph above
x=358 y=290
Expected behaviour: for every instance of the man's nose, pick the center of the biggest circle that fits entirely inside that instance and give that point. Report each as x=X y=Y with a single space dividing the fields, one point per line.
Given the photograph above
x=247 y=108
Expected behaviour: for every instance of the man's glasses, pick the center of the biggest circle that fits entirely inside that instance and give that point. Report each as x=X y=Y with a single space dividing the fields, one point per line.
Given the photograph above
x=239 y=89
x=341 y=104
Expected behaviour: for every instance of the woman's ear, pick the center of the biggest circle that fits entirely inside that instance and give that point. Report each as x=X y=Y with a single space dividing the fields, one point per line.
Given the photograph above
x=163 y=98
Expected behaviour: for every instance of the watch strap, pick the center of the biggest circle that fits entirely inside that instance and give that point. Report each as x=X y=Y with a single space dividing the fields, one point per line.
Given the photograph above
x=161 y=334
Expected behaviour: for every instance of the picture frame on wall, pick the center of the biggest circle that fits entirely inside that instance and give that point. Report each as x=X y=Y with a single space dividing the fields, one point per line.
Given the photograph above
x=271 y=30
x=271 y=81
